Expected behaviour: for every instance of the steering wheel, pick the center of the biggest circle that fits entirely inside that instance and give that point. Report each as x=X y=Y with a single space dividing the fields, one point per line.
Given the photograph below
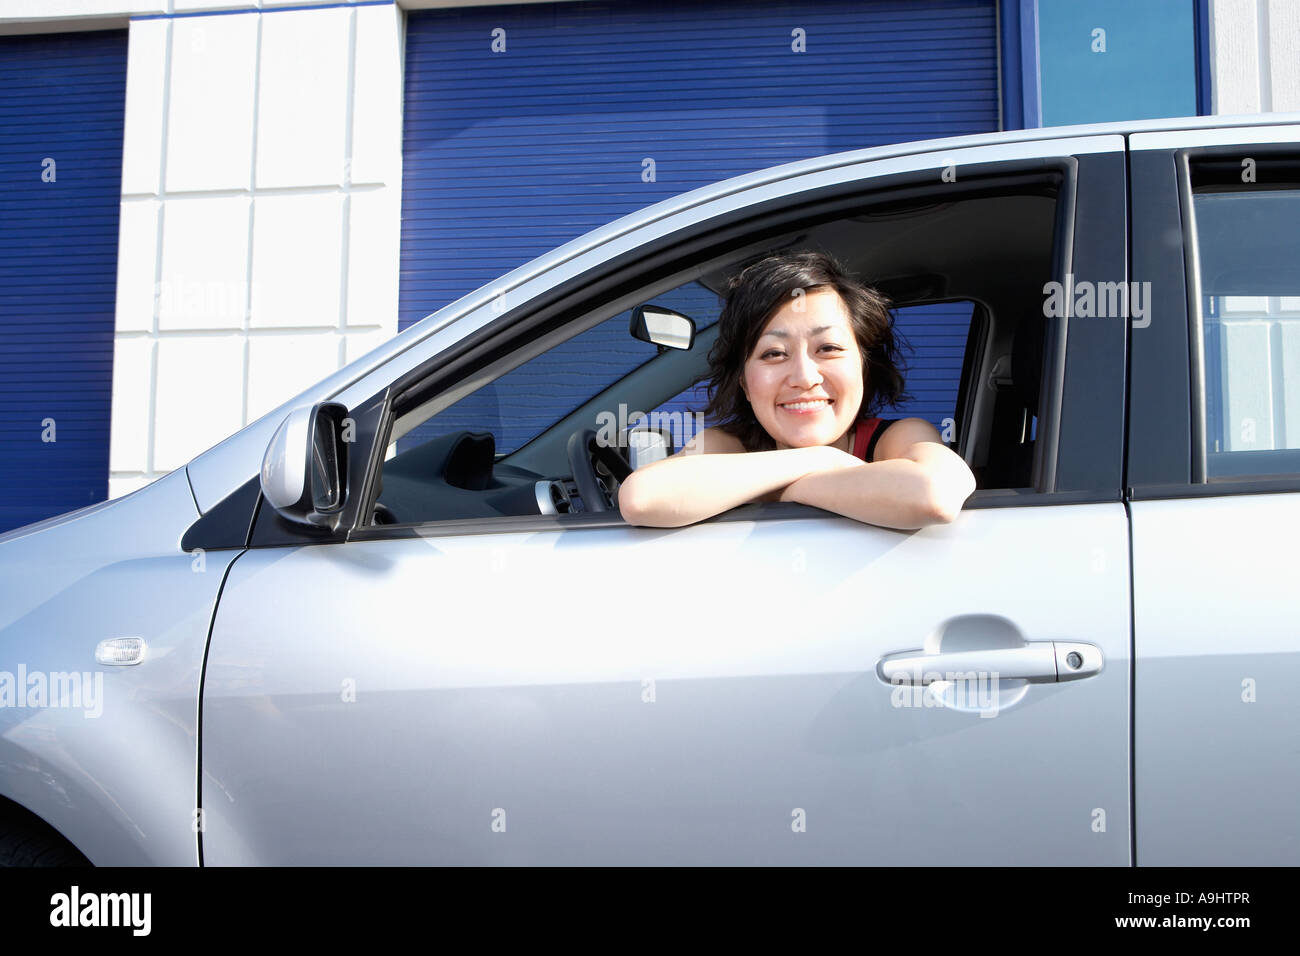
x=584 y=451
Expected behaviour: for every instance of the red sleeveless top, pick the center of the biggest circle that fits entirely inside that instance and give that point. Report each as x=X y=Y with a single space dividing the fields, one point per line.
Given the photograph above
x=868 y=433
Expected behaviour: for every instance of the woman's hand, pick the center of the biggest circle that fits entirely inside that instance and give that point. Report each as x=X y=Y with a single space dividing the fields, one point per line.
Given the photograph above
x=914 y=481
x=829 y=458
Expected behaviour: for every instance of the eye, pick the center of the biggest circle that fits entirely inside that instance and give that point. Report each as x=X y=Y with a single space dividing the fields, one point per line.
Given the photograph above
x=770 y=353
x=836 y=348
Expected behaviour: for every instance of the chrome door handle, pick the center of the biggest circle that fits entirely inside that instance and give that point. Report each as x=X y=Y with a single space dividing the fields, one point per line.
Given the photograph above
x=1038 y=662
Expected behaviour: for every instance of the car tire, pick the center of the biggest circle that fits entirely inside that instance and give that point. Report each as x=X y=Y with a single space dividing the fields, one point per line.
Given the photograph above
x=25 y=844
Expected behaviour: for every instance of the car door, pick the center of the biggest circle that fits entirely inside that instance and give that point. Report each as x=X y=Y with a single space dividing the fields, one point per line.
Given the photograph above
x=775 y=685
x=1214 y=480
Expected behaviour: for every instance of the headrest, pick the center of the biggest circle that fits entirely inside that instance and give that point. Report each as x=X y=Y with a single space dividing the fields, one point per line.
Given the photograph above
x=470 y=461
x=1027 y=359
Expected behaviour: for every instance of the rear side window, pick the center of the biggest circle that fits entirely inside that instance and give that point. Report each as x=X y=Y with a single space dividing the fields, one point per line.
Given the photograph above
x=1248 y=257
x=935 y=337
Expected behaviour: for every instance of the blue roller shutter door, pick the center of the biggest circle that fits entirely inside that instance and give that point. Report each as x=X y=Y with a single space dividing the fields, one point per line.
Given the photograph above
x=588 y=111
x=62 y=99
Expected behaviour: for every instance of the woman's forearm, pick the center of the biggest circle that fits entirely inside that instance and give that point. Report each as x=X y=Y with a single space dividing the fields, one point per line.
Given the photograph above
x=687 y=488
x=896 y=493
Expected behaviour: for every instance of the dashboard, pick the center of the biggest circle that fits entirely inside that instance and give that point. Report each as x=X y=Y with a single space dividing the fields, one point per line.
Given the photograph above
x=458 y=476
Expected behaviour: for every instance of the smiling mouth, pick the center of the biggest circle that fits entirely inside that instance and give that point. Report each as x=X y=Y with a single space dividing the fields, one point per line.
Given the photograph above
x=802 y=408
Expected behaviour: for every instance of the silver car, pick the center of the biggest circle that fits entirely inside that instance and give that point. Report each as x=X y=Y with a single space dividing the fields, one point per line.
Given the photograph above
x=400 y=619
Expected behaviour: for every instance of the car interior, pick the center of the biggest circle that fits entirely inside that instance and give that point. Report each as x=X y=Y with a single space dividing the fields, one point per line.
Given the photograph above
x=993 y=250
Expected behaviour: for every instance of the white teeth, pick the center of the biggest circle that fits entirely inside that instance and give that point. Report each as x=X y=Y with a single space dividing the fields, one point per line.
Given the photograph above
x=802 y=406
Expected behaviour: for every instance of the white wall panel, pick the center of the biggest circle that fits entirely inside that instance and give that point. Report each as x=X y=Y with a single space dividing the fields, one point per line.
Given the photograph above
x=281 y=366
x=1255 y=56
x=200 y=378
x=204 y=279
x=302 y=98
x=137 y=254
x=146 y=76
x=133 y=358
x=211 y=92
x=297 y=252
x=260 y=214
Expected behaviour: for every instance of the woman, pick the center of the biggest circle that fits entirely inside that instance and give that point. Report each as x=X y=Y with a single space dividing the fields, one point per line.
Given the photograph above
x=804 y=355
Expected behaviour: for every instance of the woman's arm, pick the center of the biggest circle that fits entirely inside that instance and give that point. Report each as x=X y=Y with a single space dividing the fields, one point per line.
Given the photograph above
x=914 y=481
x=712 y=474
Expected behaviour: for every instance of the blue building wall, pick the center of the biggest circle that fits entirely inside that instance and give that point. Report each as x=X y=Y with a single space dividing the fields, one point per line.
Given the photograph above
x=62 y=102
x=1109 y=60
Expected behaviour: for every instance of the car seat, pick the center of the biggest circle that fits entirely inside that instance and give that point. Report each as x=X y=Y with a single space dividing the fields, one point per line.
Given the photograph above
x=1011 y=446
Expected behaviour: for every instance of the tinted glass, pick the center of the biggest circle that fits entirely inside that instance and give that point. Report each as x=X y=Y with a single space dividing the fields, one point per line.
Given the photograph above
x=1248 y=250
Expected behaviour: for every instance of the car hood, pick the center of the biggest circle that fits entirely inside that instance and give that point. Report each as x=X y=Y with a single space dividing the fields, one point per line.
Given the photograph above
x=150 y=520
x=54 y=522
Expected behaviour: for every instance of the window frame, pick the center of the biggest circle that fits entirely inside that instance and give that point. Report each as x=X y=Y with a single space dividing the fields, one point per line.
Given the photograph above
x=1177 y=465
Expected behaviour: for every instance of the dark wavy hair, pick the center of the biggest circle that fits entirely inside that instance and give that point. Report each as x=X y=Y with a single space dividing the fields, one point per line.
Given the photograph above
x=754 y=295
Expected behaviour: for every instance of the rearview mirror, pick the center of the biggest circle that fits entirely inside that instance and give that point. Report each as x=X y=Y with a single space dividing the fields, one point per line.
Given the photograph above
x=662 y=326
x=304 y=471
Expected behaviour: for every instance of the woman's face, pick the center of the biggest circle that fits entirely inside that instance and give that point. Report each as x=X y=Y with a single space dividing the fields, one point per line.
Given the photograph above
x=804 y=377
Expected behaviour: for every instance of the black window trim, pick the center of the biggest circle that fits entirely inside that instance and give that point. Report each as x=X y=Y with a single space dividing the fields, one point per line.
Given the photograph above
x=768 y=511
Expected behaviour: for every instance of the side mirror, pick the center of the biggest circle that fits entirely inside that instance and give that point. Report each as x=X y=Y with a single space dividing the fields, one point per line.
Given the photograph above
x=662 y=326
x=304 y=471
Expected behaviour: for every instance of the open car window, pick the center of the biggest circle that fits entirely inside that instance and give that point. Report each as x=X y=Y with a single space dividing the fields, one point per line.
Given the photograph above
x=460 y=461
x=966 y=276
x=526 y=401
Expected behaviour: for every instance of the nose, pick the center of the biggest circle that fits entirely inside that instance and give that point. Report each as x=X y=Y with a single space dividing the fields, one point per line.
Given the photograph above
x=804 y=371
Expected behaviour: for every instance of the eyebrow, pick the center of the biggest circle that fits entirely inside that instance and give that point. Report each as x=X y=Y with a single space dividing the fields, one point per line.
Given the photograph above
x=783 y=334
